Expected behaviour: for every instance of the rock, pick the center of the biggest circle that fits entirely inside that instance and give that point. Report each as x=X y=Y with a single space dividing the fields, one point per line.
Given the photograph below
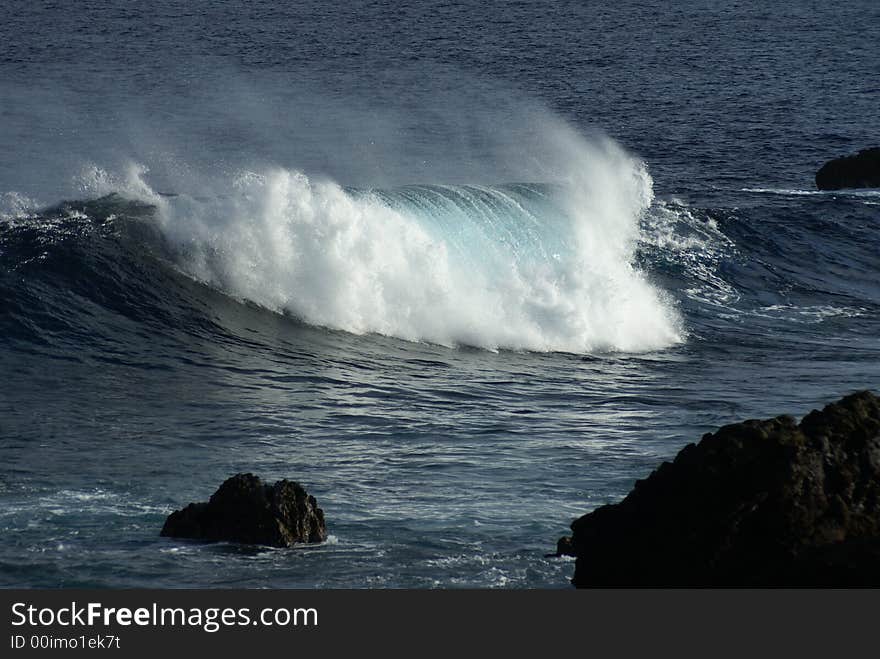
x=246 y=510
x=847 y=564
x=758 y=503
x=565 y=547
x=861 y=170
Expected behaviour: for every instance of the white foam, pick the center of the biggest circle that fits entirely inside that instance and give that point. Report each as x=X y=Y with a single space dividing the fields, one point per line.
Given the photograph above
x=808 y=314
x=15 y=206
x=846 y=192
x=699 y=244
x=350 y=261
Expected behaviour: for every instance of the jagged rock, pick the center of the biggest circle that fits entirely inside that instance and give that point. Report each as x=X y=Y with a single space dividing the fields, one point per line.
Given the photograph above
x=758 y=503
x=861 y=170
x=246 y=510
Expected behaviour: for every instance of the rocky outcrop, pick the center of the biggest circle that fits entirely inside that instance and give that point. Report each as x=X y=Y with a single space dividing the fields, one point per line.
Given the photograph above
x=861 y=170
x=758 y=503
x=246 y=510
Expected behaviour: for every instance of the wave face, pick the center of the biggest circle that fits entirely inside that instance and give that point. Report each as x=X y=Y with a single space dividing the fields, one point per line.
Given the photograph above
x=516 y=266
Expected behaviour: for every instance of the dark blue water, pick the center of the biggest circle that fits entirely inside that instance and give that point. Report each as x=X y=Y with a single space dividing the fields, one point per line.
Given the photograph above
x=465 y=270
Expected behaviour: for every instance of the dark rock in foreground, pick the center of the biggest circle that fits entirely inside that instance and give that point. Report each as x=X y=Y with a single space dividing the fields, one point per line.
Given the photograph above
x=858 y=171
x=246 y=510
x=758 y=503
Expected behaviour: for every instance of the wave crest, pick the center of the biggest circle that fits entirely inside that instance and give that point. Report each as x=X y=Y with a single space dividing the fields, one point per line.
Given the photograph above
x=527 y=266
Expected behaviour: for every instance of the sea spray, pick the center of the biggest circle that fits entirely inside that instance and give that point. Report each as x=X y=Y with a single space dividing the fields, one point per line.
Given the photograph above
x=541 y=267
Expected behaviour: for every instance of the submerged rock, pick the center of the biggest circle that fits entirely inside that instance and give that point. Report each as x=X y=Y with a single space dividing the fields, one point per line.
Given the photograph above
x=861 y=170
x=246 y=510
x=758 y=503
x=565 y=547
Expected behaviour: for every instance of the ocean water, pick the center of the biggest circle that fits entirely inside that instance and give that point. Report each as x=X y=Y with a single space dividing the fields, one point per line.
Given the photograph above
x=465 y=270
